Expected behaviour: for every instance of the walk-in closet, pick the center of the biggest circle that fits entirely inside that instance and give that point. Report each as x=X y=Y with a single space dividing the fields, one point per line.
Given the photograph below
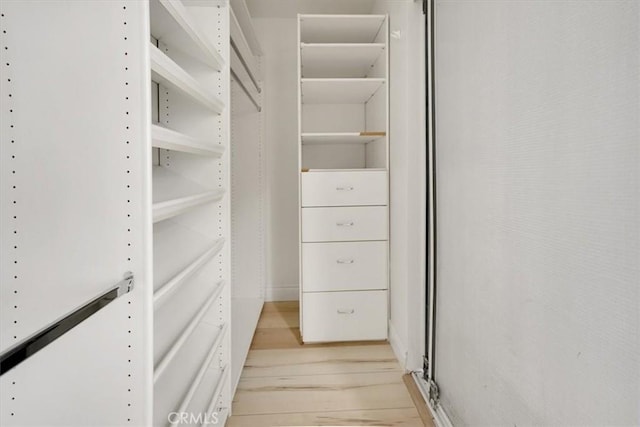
x=254 y=213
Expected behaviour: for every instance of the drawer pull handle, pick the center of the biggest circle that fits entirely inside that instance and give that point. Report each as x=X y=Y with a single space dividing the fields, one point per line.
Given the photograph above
x=346 y=188
x=346 y=311
x=345 y=224
x=345 y=261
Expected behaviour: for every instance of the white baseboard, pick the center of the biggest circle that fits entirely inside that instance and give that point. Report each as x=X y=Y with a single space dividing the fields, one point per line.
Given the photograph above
x=399 y=348
x=282 y=293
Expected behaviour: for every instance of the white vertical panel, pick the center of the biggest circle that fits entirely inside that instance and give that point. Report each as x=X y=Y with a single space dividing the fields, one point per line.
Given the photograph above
x=278 y=39
x=538 y=121
x=75 y=209
x=248 y=233
x=247 y=196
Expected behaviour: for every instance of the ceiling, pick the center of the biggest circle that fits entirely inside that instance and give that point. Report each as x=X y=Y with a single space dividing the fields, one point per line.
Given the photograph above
x=290 y=8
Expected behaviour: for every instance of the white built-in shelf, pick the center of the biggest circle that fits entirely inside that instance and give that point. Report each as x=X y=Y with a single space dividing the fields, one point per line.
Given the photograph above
x=171 y=208
x=166 y=72
x=345 y=170
x=241 y=12
x=340 y=137
x=340 y=28
x=212 y=384
x=168 y=139
x=173 y=313
x=173 y=376
x=187 y=332
x=240 y=76
x=175 y=249
x=246 y=58
x=339 y=60
x=175 y=282
x=205 y=375
x=169 y=185
x=339 y=91
x=215 y=396
x=174 y=195
x=173 y=25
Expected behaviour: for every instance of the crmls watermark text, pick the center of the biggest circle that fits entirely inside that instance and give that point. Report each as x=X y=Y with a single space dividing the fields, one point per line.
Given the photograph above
x=201 y=418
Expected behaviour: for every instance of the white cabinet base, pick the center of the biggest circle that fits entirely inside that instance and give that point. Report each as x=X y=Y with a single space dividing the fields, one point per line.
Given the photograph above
x=344 y=316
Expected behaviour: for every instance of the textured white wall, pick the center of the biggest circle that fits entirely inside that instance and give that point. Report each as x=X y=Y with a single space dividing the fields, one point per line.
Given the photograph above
x=538 y=107
x=278 y=38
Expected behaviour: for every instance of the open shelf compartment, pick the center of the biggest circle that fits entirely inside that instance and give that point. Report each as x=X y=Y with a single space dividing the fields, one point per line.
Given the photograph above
x=339 y=91
x=340 y=28
x=173 y=25
x=341 y=137
x=339 y=60
x=174 y=194
x=169 y=139
x=166 y=72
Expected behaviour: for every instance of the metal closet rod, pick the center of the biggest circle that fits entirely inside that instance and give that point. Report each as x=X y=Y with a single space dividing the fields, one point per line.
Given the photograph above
x=36 y=342
x=246 y=91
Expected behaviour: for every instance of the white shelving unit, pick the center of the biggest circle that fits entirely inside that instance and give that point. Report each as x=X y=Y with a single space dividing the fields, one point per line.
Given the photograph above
x=128 y=195
x=343 y=158
x=76 y=214
x=248 y=188
x=189 y=58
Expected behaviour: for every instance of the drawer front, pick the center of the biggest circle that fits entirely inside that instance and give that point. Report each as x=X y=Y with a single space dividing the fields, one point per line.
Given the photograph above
x=344 y=316
x=344 y=266
x=344 y=188
x=344 y=224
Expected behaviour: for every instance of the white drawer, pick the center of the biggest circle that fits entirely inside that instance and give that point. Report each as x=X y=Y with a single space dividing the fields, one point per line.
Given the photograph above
x=353 y=188
x=344 y=266
x=344 y=316
x=344 y=224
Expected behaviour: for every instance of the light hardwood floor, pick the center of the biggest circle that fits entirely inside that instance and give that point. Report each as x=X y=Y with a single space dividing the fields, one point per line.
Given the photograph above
x=286 y=383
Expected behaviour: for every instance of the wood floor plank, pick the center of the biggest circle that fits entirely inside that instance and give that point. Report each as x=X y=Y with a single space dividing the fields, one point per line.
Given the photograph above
x=418 y=401
x=288 y=383
x=320 y=393
x=404 y=417
x=273 y=338
x=321 y=361
x=279 y=319
x=281 y=306
x=269 y=338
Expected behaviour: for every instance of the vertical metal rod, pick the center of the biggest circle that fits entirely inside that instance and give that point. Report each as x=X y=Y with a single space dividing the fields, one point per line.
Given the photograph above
x=429 y=8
